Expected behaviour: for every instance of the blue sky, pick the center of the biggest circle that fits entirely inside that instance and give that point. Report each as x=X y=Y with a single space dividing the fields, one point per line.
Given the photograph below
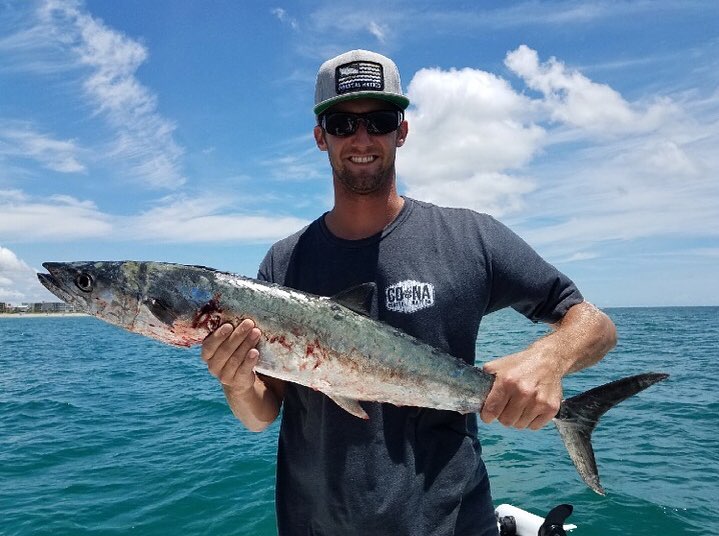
x=181 y=131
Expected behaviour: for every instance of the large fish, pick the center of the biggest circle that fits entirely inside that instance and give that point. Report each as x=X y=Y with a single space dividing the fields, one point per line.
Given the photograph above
x=327 y=344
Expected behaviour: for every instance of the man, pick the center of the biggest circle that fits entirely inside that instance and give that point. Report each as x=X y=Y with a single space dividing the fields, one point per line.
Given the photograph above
x=410 y=471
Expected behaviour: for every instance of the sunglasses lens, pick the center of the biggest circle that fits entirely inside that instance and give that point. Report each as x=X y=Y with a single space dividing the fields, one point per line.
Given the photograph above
x=382 y=122
x=377 y=123
x=340 y=124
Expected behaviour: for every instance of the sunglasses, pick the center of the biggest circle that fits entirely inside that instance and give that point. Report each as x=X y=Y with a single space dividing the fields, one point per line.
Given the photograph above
x=377 y=123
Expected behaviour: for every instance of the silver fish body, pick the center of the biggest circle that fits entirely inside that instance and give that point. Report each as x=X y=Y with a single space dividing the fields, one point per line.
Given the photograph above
x=327 y=344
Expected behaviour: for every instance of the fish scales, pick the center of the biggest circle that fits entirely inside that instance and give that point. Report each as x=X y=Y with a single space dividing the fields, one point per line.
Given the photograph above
x=339 y=363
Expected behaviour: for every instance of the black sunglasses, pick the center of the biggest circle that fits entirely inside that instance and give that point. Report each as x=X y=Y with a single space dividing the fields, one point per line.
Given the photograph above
x=377 y=123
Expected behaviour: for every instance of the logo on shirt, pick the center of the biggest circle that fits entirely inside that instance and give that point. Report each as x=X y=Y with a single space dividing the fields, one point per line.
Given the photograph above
x=409 y=296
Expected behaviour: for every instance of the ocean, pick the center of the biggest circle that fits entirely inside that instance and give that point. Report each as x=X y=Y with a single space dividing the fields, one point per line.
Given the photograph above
x=107 y=432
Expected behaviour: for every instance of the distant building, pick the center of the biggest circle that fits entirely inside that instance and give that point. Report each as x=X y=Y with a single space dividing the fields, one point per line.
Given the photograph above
x=44 y=307
x=55 y=307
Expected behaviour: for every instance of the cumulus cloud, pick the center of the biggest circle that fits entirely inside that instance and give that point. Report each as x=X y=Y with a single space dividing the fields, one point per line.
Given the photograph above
x=468 y=131
x=636 y=169
x=18 y=281
x=571 y=98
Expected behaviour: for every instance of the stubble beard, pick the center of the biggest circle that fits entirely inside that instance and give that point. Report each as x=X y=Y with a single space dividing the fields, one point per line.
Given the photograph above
x=364 y=183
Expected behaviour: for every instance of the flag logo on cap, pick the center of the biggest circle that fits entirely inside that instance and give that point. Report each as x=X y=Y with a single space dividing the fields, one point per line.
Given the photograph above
x=359 y=76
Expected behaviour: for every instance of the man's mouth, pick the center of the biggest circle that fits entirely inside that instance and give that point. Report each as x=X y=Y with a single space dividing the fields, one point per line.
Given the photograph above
x=362 y=159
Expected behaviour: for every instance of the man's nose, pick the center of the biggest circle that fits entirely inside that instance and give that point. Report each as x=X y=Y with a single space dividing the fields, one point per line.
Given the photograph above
x=362 y=135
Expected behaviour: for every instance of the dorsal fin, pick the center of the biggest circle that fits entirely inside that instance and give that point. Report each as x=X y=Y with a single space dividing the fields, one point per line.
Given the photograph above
x=358 y=298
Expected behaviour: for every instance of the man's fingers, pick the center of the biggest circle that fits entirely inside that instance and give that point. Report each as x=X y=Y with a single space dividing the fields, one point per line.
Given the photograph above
x=242 y=360
x=517 y=406
x=231 y=342
x=222 y=349
x=239 y=342
x=527 y=411
x=544 y=412
x=494 y=405
x=213 y=341
x=540 y=421
x=511 y=414
x=244 y=372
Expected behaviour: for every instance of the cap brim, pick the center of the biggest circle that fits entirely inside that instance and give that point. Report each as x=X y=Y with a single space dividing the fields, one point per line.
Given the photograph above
x=400 y=101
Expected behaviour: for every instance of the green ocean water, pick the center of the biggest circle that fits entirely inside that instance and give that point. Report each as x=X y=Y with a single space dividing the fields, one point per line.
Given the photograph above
x=106 y=432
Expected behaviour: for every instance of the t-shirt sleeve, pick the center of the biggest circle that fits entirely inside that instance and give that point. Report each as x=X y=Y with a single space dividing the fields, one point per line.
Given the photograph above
x=523 y=280
x=264 y=273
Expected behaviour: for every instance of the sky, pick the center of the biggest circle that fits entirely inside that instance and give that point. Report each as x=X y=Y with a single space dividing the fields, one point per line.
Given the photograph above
x=181 y=131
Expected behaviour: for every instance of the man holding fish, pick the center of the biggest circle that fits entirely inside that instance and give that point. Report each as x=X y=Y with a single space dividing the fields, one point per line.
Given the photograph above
x=437 y=271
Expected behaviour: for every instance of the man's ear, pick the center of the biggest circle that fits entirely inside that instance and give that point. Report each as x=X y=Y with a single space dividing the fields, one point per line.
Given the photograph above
x=320 y=138
x=402 y=132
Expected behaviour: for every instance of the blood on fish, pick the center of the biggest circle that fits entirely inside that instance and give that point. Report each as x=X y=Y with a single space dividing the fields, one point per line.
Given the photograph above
x=281 y=340
x=205 y=315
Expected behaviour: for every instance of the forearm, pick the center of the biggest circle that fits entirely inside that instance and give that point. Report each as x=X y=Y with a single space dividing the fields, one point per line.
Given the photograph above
x=583 y=336
x=256 y=407
x=527 y=389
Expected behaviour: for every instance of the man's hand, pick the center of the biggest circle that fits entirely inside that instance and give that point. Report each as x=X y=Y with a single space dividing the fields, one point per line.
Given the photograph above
x=231 y=355
x=527 y=391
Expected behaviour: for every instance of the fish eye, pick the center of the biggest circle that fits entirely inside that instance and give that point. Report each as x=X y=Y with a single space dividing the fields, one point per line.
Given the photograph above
x=84 y=282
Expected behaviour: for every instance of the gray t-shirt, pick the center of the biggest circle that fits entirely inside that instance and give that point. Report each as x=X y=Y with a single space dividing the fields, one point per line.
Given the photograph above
x=406 y=470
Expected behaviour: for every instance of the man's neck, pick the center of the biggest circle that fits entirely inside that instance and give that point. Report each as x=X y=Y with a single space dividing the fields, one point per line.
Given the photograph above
x=360 y=216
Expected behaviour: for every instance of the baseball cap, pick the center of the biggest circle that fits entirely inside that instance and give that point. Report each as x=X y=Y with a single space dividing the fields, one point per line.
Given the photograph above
x=358 y=74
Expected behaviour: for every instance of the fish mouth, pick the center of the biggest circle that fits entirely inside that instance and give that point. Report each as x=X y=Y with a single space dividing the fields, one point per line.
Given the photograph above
x=50 y=282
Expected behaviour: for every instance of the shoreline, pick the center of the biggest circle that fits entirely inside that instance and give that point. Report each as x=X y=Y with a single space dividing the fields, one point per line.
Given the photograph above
x=39 y=315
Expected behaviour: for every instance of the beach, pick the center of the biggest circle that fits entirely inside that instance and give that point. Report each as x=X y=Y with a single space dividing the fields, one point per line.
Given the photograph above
x=39 y=315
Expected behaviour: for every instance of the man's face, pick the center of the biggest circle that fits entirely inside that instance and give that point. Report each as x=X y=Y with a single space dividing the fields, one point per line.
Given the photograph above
x=362 y=163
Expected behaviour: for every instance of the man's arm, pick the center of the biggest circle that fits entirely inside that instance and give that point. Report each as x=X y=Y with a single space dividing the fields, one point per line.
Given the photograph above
x=527 y=390
x=231 y=355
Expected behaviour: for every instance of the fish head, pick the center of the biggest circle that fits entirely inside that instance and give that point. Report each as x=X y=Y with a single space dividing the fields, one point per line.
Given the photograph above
x=171 y=303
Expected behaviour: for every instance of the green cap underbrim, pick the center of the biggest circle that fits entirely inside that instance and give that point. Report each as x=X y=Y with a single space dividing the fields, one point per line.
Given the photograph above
x=400 y=101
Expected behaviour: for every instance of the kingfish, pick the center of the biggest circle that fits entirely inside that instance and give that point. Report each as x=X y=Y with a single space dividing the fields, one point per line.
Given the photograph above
x=327 y=344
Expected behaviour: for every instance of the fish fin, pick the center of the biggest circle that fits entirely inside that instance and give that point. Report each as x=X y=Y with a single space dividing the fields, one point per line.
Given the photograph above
x=350 y=405
x=357 y=298
x=579 y=415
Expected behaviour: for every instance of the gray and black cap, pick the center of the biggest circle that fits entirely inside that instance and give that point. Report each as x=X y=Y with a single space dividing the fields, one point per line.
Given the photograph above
x=358 y=74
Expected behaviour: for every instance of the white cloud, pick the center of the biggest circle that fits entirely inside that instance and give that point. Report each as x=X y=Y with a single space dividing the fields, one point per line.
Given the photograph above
x=207 y=219
x=200 y=219
x=285 y=18
x=572 y=99
x=18 y=281
x=636 y=169
x=21 y=141
x=468 y=130
x=580 y=256
x=23 y=219
x=104 y=63
x=304 y=165
x=378 y=30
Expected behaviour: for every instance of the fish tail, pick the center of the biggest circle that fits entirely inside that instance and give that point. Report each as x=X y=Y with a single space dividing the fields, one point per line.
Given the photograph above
x=578 y=416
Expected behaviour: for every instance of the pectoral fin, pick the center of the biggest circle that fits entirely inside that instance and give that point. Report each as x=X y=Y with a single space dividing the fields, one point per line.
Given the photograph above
x=351 y=406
